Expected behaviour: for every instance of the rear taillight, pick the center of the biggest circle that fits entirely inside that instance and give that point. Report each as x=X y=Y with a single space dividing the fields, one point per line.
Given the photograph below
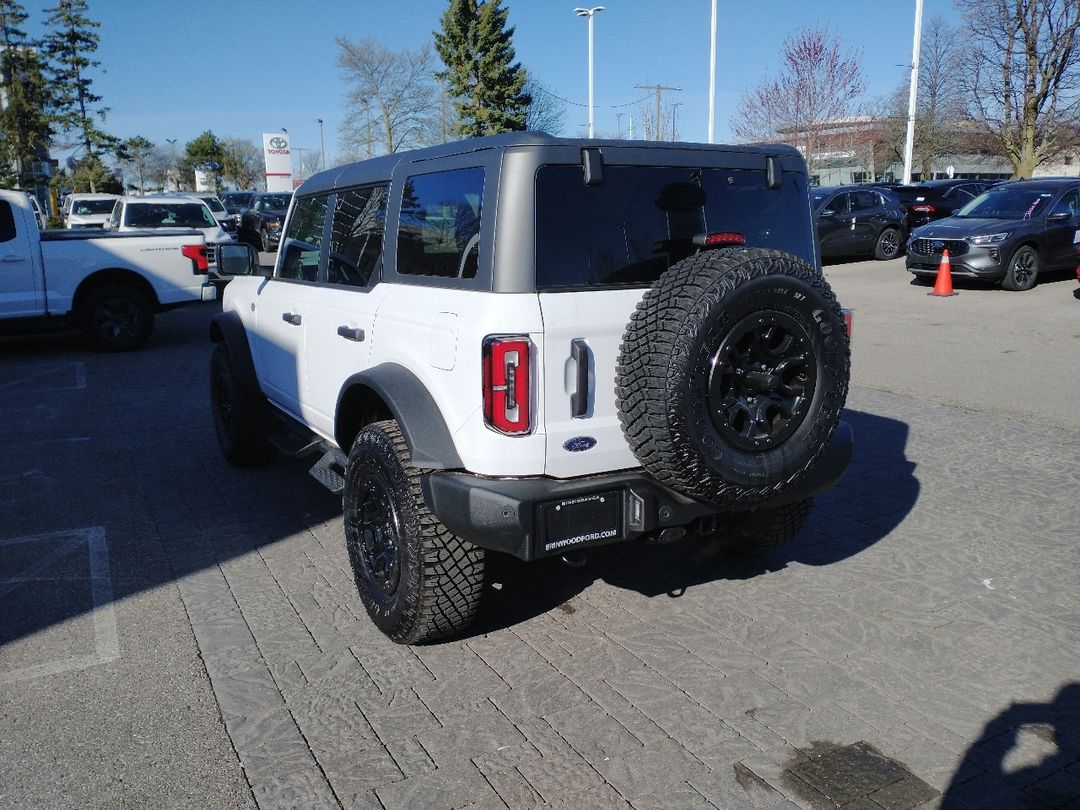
x=849 y=321
x=719 y=239
x=197 y=254
x=507 y=400
x=924 y=209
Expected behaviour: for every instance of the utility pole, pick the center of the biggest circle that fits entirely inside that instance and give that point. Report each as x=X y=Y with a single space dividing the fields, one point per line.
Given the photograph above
x=590 y=13
x=712 y=73
x=322 y=143
x=658 y=89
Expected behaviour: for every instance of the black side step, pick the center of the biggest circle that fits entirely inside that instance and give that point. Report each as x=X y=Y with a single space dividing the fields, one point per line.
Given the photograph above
x=330 y=470
x=295 y=443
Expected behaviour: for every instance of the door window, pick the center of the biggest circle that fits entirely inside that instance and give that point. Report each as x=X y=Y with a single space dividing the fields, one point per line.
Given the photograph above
x=356 y=236
x=7 y=222
x=299 y=254
x=864 y=200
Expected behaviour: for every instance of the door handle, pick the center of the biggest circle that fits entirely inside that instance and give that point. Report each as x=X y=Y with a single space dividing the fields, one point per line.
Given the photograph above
x=351 y=333
x=11 y=257
x=291 y=317
x=579 y=400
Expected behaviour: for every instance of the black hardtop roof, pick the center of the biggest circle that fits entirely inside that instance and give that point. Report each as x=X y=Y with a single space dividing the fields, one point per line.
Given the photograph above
x=380 y=169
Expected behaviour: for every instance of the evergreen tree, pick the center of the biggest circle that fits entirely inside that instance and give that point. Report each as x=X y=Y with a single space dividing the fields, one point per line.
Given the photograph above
x=204 y=152
x=24 y=127
x=487 y=85
x=69 y=46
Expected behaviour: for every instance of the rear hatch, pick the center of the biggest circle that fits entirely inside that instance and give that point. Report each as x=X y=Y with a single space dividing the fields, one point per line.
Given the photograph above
x=598 y=249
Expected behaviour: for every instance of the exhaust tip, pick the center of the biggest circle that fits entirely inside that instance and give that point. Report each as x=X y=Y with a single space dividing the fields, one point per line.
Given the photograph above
x=575 y=559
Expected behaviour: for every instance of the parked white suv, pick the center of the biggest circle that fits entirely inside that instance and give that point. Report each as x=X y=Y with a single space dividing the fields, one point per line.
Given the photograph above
x=87 y=210
x=533 y=346
x=151 y=212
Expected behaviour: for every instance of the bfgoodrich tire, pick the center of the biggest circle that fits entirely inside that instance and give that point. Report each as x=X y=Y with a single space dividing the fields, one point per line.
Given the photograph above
x=116 y=319
x=242 y=417
x=417 y=580
x=732 y=375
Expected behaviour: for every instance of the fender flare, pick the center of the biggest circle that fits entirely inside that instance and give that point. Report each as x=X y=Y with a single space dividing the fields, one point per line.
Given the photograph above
x=227 y=328
x=411 y=404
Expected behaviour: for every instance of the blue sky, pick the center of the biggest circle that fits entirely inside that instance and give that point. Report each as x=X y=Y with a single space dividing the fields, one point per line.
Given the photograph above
x=241 y=68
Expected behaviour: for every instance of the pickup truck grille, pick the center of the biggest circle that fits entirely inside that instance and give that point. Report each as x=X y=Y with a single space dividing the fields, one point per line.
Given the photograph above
x=934 y=247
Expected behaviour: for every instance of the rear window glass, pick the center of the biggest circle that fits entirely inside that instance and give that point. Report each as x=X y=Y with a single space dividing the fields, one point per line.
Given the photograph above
x=439 y=232
x=83 y=207
x=641 y=219
x=169 y=215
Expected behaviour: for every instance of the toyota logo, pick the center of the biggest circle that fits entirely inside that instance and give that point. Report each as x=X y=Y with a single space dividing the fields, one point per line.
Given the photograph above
x=278 y=142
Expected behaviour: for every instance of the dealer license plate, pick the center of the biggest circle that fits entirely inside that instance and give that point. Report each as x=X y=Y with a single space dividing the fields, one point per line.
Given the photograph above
x=581 y=520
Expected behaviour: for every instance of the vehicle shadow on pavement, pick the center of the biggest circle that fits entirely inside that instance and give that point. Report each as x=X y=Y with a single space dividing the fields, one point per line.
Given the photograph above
x=1030 y=751
x=878 y=490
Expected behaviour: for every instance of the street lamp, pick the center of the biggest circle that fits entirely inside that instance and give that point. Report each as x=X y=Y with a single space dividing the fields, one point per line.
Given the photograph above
x=322 y=144
x=674 y=108
x=590 y=13
x=172 y=163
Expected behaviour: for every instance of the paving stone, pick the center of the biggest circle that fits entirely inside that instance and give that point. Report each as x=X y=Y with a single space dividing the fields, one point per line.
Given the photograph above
x=486 y=731
x=456 y=785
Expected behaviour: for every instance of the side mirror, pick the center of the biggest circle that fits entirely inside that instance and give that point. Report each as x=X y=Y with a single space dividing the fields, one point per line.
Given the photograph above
x=1059 y=216
x=828 y=212
x=236 y=259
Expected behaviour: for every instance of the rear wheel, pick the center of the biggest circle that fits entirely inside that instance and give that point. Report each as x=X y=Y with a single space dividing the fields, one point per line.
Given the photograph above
x=1023 y=269
x=888 y=244
x=762 y=529
x=116 y=319
x=417 y=580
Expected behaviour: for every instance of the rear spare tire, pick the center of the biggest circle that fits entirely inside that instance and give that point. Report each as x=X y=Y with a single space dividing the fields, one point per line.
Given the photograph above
x=732 y=374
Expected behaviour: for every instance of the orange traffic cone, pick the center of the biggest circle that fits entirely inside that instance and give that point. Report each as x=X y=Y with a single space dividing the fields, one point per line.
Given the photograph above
x=943 y=283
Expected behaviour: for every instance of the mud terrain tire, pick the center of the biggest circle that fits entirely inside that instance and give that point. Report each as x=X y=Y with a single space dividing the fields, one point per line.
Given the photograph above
x=732 y=375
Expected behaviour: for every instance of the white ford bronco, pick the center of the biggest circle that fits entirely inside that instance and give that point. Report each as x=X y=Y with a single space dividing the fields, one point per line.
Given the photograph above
x=529 y=345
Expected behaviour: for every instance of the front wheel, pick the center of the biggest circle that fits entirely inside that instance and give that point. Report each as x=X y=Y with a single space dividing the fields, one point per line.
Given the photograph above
x=888 y=244
x=417 y=580
x=116 y=319
x=242 y=418
x=1023 y=269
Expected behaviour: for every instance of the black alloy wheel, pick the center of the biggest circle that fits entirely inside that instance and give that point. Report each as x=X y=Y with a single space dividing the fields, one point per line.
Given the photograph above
x=377 y=541
x=762 y=381
x=1023 y=269
x=888 y=244
x=117 y=319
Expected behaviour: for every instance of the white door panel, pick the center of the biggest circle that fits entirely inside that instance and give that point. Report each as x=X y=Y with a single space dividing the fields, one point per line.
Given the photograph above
x=277 y=342
x=598 y=319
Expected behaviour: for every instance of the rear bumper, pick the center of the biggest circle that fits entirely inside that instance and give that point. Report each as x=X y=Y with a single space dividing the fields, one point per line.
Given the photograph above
x=524 y=517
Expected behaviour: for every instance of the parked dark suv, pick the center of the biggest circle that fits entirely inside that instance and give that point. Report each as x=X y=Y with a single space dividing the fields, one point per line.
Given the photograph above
x=858 y=220
x=1009 y=234
x=936 y=199
x=260 y=222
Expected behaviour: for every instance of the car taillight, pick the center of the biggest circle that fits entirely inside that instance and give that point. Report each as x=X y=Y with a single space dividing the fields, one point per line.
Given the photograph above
x=719 y=239
x=924 y=209
x=507 y=402
x=197 y=254
x=849 y=321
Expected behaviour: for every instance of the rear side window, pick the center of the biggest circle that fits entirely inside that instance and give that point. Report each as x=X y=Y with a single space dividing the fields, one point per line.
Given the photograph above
x=298 y=256
x=865 y=200
x=356 y=236
x=439 y=233
x=641 y=219
x=7 y=222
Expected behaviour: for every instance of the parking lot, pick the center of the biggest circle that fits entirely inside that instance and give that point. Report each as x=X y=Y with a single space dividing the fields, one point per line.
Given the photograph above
x=180 y=633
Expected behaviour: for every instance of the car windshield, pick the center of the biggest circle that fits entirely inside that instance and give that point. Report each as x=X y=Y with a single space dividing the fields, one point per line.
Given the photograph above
x=214 y=204
x=173 y=215
x=82 y=207
x=1007 y=203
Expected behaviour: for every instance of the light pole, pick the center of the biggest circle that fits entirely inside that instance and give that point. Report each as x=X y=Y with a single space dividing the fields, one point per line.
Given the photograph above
x=674 y=108
x=590 y=13
x=322 y=144
x=913 y=93
x=712 y=74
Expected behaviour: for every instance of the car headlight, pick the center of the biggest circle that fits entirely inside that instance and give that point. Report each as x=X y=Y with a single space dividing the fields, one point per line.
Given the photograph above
x=989 y=239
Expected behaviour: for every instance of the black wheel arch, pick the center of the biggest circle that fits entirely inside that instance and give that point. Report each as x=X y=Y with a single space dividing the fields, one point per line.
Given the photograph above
x=114 y=277
x=391 y=391
x=227 y=328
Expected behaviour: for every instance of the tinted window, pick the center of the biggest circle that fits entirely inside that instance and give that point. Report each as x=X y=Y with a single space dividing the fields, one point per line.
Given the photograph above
x=299 y=253
x=169 y=215
x=641 y=219
x=356 y=236
x=439 y=233
x=7 y=222
x=92 y=207
x=1069 y=204
x=864 y=200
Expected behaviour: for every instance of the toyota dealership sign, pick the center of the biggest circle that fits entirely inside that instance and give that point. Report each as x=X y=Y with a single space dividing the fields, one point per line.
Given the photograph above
x=278 y=160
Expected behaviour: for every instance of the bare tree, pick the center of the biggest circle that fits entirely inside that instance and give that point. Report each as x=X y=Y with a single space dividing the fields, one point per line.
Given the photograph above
x=816 y=88
x=546 y=112
x=392 y=103
x=242 y=162
x=1022 y=78
x=941 y=118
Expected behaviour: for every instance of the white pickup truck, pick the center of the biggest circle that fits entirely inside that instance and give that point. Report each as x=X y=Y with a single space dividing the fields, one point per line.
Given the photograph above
x=108 y=285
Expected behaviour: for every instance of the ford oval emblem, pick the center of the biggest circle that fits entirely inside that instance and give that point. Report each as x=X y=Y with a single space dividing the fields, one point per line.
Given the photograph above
x=579 y=444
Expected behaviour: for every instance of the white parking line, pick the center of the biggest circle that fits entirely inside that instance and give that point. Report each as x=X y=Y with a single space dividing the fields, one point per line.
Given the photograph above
x=106 y=640
x=76 y=367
